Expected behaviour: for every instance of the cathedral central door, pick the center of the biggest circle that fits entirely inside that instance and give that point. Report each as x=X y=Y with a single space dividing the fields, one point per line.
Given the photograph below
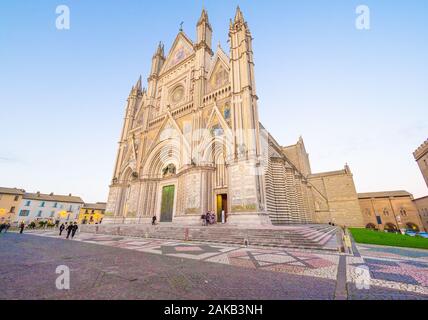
x=221 y=206
x=167 y=206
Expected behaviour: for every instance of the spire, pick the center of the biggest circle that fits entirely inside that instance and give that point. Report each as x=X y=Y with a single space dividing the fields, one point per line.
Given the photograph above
x=138 y=85
x=239 y=17
x=203 y=18
x=160 y=50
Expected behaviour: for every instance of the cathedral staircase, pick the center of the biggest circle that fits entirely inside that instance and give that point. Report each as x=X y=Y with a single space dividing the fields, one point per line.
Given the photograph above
x=316 y=237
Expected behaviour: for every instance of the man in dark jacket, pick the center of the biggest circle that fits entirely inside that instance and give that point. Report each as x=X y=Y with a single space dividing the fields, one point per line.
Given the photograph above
x=69 y=230
x=73 y=232
x=61 y=229
x=21 y=227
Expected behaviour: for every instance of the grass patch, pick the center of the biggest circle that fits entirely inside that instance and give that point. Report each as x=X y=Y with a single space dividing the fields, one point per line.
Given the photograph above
x=388 y=239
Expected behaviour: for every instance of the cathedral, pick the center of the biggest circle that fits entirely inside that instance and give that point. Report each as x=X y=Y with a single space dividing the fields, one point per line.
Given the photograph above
x=192 y=142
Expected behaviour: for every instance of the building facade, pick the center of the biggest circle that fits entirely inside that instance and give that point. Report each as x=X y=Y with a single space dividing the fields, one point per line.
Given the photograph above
x=10 y=200
x=390 y=211
x=192 y=142
x=92 y=213
x=422 y=206
x=48 y=207
x=421 y=157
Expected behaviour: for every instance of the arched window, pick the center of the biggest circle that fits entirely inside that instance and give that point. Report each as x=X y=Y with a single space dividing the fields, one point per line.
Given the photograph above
x=385 y=212
x=403 y=212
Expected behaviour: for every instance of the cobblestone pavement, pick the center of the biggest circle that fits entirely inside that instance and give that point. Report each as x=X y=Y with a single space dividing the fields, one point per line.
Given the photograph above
x=117 y=267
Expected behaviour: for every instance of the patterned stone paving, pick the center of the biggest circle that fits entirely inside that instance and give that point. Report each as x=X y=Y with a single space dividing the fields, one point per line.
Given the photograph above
x=388 y=268
x=373 y=272
x=295 y=261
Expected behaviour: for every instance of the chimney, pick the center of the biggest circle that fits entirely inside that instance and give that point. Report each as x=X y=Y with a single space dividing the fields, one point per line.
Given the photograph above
x=69 y=194
x=51 y=194
x=38 y=193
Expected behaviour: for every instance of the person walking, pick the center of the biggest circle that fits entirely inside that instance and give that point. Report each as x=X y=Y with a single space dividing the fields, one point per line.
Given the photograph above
x=21 y=227
x=61 y=229
x=69 y=230
x=2 y=227
x=73 y=232
x=204 y=219
x=154 y=218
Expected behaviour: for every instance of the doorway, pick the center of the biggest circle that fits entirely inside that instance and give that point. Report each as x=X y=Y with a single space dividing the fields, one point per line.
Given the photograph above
x=221 y=206
x=167 y=206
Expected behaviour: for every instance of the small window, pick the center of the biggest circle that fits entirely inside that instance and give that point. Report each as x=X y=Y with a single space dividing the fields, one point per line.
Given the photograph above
x=385 y=212
x=24 y=213
x=52 y=214
x=55 y=205
x=403 y=212
x=16 y=198
x=27 y=203
x=12 y=210
x=42 y=204
x=39 y=214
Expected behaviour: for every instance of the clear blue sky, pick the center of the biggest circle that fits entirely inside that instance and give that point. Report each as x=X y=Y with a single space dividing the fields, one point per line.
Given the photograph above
x=356 y=96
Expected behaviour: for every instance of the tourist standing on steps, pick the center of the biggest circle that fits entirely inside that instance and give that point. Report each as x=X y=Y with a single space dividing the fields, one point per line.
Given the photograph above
x=204 y=219
x=73 y=232
x=61 y=229
x=21 y=227
x=154 y=218
x=69 y=230
x=207 y=218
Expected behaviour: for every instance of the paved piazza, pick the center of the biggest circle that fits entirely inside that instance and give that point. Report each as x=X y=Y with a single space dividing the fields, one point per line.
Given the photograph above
x=117 y=267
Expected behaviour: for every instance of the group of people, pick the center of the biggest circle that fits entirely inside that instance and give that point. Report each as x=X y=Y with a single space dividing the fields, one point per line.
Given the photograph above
x=5 y=227
x=208 y=218
x=70 y=228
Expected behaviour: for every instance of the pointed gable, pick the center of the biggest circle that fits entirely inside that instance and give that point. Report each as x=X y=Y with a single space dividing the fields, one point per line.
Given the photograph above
x=181 y=49
x=219 y=73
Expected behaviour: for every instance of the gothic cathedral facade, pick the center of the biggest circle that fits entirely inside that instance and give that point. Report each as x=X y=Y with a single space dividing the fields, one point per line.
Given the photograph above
x=192 y=142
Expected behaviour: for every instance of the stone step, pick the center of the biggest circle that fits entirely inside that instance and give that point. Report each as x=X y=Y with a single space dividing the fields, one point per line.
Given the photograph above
x=309 y=237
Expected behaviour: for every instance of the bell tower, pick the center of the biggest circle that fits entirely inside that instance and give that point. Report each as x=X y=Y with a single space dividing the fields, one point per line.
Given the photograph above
x=247 y=185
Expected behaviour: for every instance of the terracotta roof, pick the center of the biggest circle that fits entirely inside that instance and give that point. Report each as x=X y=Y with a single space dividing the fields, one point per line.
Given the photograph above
x=52 y=197
x=384 y=194
x=98 y=205
x=12 y=191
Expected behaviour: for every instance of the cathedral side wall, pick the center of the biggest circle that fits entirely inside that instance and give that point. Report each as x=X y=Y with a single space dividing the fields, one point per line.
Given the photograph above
x=344 y=208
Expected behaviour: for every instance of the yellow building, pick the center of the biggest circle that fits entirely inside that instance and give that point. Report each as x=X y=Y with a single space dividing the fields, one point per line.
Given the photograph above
x=92 y=213
x=390 y=211
x=10 y=200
